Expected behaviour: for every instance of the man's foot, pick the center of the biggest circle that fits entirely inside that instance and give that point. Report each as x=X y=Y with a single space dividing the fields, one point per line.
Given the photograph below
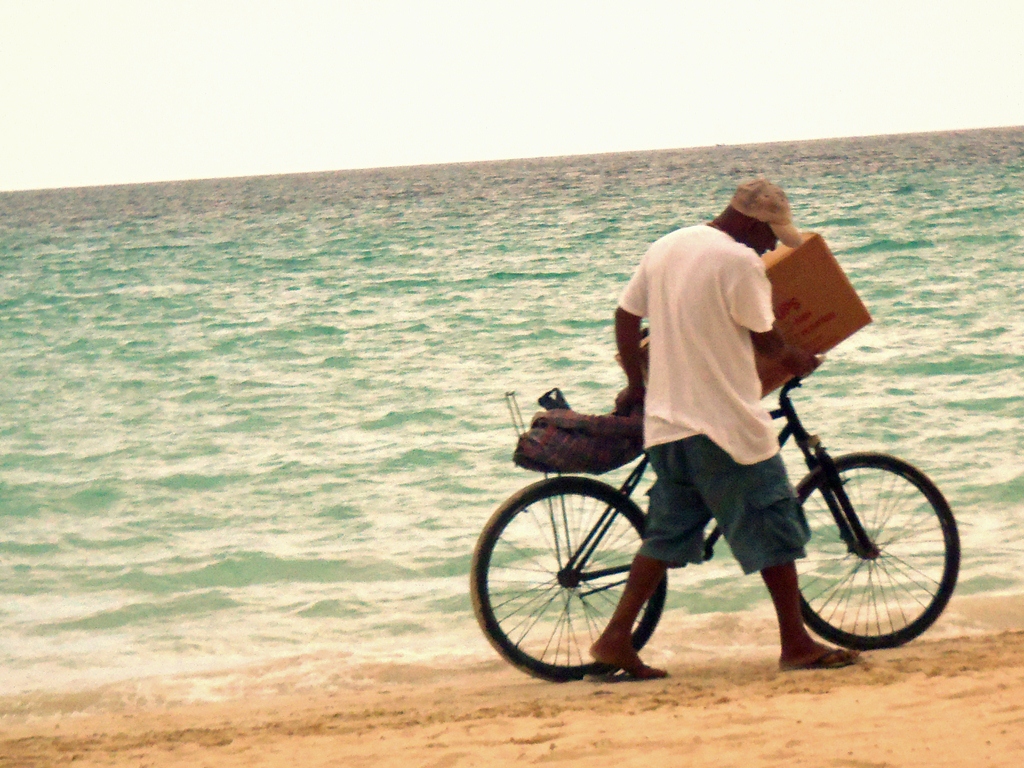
x=829 y=658
x=624 y=658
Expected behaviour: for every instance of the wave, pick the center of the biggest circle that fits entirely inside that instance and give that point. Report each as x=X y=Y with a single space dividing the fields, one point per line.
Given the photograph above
x=395 y=419
x=888 y=245
x=144 y=613
x=246 y=569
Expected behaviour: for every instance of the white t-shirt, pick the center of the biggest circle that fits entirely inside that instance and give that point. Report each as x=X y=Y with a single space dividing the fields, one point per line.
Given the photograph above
x=704 y=293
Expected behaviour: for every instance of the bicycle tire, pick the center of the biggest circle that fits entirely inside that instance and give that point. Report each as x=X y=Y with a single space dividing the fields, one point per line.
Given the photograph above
x=889 y=600
x=541 y=626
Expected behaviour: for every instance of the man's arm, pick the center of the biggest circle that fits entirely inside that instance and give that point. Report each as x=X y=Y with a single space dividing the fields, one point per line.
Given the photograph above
x=627 y=339
x=795 y=360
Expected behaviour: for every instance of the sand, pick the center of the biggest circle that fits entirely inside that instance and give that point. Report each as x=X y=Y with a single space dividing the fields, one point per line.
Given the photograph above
x=952 y=698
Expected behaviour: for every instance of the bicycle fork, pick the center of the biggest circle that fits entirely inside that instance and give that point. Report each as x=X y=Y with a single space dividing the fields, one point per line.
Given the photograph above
x=833 y=490
x=817 y=458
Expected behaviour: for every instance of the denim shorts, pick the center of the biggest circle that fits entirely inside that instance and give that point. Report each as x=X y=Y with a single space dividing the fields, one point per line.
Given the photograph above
x=754 y=505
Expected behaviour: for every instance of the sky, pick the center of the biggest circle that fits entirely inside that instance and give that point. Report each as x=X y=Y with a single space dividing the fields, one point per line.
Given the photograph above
x=99 y=92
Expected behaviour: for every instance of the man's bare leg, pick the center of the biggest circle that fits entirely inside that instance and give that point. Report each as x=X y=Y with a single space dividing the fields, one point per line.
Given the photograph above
x=615 y=646
x=799 y=649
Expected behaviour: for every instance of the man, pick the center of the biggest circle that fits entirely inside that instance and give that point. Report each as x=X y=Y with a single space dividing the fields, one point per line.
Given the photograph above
x=709 y=439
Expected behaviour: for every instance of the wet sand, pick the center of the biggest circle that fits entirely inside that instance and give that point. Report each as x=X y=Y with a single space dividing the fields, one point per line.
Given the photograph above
x=952 y=698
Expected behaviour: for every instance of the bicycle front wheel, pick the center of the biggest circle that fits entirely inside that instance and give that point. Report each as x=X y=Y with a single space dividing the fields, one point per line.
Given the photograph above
x=548 y=571
x=887 y=600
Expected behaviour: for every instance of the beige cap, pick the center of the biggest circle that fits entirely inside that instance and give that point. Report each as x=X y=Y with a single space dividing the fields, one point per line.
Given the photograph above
x=760 y=199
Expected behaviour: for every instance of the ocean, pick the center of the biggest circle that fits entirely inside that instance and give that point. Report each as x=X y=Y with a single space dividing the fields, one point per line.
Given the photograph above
x=250 y=428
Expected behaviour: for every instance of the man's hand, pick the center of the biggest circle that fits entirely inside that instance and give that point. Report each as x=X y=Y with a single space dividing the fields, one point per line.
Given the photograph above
x=628 y=399
x=798 y=361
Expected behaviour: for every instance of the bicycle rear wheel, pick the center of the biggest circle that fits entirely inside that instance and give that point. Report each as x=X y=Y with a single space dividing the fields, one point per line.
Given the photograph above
x=540 y=608
x=888 y=600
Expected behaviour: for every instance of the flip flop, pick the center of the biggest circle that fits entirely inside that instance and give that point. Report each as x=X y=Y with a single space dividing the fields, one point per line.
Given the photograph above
x=613 y=674
x=632 y=667
x=637 y=671
x=833 y=659
x=643 y=672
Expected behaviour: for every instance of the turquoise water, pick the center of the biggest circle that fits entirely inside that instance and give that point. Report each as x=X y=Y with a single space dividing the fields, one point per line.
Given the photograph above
x=262 y=419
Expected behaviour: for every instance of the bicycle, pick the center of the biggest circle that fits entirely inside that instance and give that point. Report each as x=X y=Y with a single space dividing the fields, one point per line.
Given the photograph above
x=551 y=562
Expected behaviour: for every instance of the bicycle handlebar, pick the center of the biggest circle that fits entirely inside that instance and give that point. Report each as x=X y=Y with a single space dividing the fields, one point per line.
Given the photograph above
x=787 y=411
x=790 y=385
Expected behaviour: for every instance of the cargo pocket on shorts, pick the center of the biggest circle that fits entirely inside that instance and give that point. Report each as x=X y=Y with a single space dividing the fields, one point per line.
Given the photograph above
x=774 y=510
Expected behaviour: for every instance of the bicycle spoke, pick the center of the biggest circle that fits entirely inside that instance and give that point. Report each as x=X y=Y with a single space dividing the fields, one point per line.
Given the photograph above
x=529 y=556
x=533 y=597
x=579 y=645
x=827 y=587
x=896 y=587
x=599 y=590
x=591 y=616
x=836 y=593
x=534 y=620
x=556 y=632
x=926 y=582
x=537 y=605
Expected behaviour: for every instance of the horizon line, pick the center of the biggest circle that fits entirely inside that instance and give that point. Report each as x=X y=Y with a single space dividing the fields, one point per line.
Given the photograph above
x=524 y=158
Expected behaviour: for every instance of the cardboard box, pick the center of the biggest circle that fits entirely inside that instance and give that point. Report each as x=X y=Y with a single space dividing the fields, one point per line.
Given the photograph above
x=815 y=305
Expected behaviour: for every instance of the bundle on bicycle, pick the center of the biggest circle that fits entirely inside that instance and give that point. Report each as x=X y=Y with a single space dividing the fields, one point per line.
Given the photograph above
x=551 y=563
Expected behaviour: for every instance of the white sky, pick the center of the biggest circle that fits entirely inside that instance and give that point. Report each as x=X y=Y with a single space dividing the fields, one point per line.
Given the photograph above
x=114 y=91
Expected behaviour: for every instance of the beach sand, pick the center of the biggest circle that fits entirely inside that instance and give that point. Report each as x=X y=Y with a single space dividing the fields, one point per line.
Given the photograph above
x=952 y=698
